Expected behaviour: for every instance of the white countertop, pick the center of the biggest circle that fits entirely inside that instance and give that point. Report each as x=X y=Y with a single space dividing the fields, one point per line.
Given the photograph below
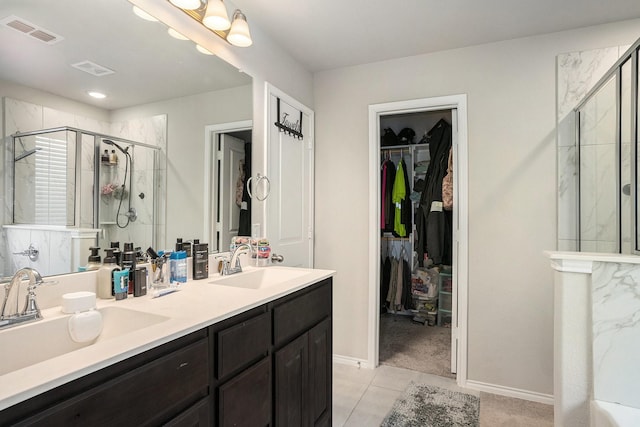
x=196 y=305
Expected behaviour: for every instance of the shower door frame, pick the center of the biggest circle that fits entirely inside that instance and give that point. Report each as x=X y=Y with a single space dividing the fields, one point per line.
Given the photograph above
x=615 y=71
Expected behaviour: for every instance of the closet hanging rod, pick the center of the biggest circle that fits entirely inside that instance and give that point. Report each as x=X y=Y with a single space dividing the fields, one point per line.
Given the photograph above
x=401 y=151
x=396 y=238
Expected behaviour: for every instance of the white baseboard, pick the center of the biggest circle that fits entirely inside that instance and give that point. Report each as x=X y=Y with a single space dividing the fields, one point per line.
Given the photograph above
x=352 y=361
x=547 y=399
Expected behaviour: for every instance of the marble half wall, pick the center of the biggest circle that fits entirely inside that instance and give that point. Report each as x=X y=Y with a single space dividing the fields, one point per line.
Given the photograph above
x=576 y=74
x=616 y=333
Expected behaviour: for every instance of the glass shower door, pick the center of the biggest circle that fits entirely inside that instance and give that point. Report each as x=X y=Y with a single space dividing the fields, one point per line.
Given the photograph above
x=599 y=171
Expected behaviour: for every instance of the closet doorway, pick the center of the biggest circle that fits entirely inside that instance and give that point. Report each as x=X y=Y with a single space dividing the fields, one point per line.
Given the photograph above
x=418 y=244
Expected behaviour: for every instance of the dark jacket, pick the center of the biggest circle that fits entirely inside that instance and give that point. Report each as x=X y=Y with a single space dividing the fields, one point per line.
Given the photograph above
x=433 y=225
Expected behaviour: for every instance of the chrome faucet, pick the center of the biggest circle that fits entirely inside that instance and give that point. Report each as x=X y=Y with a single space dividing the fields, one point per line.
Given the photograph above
x=233 y=266
x=30 y=312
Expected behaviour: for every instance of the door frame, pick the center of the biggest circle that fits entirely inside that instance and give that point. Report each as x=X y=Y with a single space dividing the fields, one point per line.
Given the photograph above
x=211 y=133
x=460 y=263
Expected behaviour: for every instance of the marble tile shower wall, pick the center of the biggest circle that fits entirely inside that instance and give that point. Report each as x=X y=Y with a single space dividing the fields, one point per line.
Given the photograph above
x=24 y=116
x=153 y=132
x=616 y=333
x=577 y=73
x=54 y=248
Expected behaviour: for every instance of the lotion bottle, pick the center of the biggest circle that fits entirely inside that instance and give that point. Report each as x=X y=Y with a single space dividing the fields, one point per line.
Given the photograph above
x=94 y=259
x=105 y=275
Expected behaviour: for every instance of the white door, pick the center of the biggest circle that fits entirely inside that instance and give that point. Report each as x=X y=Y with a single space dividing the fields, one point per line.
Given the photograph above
x=290 y=172
x=230 y=157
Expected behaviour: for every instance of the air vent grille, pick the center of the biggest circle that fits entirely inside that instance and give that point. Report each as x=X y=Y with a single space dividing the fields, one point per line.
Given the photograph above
x=29 y=29
x=93 y=68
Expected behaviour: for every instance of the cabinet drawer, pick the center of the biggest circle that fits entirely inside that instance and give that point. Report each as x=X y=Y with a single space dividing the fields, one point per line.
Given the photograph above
x=160 y=389
x=243 y=344
x=245 y=400
x=297 y=315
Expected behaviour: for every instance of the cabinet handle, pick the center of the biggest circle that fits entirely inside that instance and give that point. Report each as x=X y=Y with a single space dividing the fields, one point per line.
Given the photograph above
x=183 y=364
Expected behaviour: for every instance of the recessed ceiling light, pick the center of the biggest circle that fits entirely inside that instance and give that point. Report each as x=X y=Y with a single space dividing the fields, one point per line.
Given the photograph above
x=144 y=15
x=176 y=35
x=203 y=50
x=97 y=95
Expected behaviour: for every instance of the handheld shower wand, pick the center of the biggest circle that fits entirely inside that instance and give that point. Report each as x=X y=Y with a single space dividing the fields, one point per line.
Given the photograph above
x=131 y=213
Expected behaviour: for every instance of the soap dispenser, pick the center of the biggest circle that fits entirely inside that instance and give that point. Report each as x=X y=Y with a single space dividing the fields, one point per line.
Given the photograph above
x=105 y=275
x=94 y=259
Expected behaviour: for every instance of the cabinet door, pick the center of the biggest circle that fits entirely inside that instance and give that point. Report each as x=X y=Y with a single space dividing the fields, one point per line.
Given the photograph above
x=291 y=384
x=320 y=372
x=245 y=400
x=199 y=415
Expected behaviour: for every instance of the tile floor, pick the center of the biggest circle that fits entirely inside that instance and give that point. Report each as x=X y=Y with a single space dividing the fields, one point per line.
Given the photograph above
x=363 y=397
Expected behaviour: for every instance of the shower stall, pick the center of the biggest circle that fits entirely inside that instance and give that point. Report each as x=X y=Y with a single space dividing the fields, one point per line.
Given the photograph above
x=607 y=160
x=73 y=189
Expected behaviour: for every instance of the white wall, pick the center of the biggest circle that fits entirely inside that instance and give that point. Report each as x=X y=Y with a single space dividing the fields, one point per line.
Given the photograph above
x=187 y=118
x=512 y=191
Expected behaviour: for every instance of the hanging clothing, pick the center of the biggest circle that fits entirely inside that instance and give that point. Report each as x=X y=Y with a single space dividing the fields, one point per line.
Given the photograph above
x=244 y=224
x=398 y=196
x=447 y=184
x=407 y=205
x=385 y=276
x=433 y=222
x=387 y=209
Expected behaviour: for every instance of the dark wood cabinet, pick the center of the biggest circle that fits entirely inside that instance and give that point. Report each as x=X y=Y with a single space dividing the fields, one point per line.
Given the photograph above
x=199 y=415
x=268 y=366
x=303 y=366
x=320 y=372
x=292 y=384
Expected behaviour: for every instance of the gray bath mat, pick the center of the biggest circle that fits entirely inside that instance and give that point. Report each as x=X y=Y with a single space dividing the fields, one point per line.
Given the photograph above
x=422 y=405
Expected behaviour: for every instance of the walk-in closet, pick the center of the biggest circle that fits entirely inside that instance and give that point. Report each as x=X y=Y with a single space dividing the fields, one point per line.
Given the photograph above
x=416 y=203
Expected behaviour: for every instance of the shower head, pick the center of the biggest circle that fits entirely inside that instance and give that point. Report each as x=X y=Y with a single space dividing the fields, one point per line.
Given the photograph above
x=27 y=154
x=110 y=142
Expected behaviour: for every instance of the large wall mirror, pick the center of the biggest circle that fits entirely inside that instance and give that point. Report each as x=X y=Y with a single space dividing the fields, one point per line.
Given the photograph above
x=161 y=96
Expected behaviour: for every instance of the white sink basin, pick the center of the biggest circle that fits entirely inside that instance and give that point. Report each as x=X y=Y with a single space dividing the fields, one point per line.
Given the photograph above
x=31 y=343
x=260 y=278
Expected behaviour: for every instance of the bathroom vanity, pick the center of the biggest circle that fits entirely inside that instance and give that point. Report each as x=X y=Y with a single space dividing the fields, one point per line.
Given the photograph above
x=265 y=359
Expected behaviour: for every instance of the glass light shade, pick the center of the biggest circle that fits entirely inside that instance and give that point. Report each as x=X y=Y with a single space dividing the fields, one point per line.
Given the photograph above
x=186 y=4
x=176 y=35
x=216 y=16
x=144 y=15
x=239 y=34
x=203 y=50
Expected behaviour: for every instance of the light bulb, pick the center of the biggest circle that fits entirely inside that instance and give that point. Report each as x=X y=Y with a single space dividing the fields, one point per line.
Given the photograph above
x=216 y=16
x=239 y=34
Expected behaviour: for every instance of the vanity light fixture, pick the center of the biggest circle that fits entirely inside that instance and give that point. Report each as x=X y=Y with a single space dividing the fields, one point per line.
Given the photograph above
x=97 y=95
x=212 y=14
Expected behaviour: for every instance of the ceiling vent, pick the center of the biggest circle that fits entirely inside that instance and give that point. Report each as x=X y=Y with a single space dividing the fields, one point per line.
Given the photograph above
x=28 y=29
x=93 y=68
